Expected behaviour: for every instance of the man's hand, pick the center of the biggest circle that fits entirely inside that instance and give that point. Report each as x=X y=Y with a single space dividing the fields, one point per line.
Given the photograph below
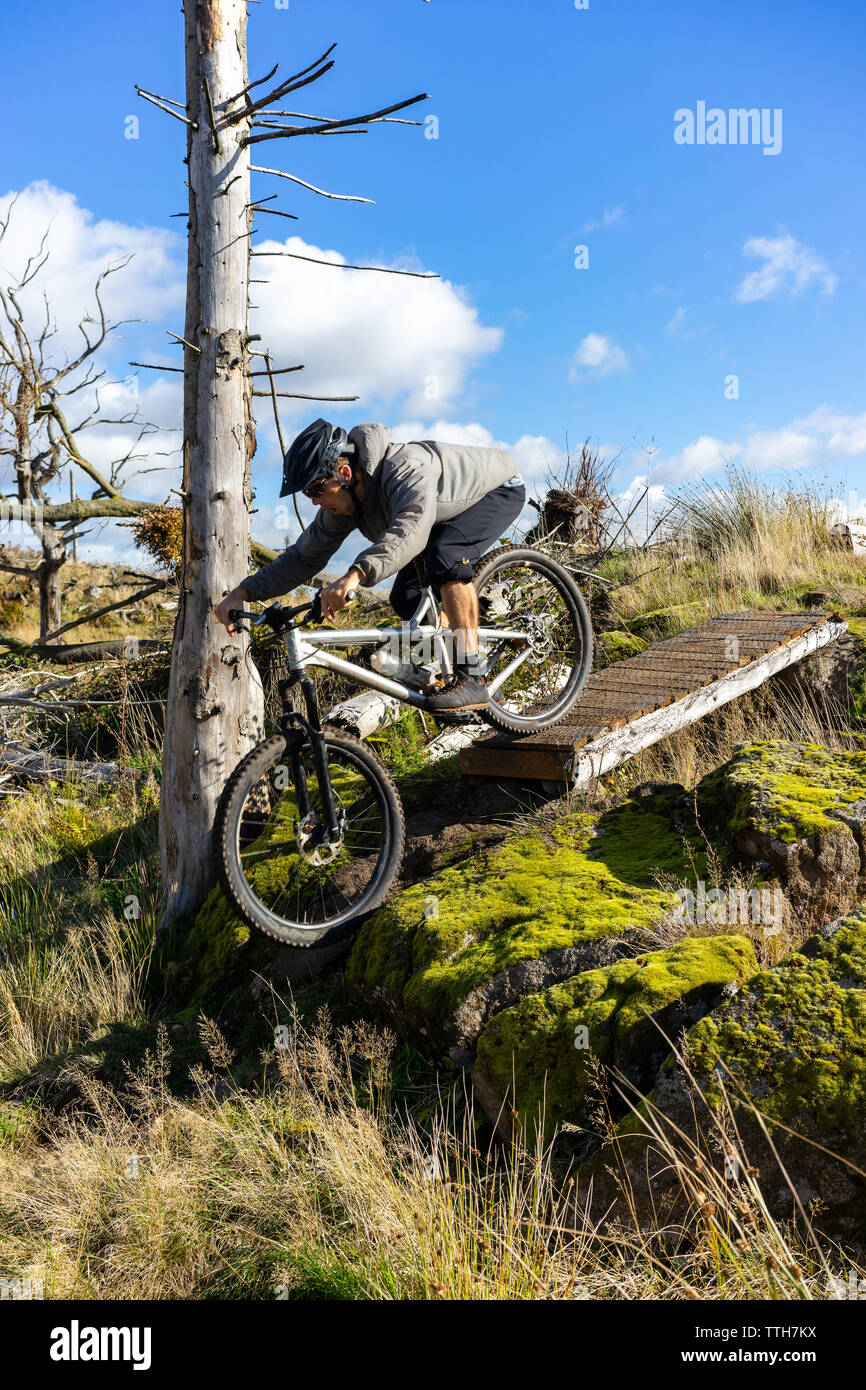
x=236 y=599
x=334 y=597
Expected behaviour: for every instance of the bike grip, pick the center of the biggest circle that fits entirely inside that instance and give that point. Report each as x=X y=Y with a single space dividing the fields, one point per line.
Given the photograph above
x=235 y=615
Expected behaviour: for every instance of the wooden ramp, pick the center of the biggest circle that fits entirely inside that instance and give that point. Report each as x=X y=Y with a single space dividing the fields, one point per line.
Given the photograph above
x=636 y=702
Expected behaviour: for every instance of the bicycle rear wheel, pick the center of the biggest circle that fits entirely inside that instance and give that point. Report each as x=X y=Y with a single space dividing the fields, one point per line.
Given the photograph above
x=519 y=587
x=275 y=867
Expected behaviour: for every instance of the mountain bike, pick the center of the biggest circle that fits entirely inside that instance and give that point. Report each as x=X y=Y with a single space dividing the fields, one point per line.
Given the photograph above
x=309 y=830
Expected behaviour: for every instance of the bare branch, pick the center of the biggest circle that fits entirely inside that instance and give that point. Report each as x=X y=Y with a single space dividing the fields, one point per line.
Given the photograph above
x=179 y=339
x=346 y=265
x=155 y=101
x=336 y=125
x=53 y=411
x=297 y=396
x=273 y=371
x=284 y=88
x=275 y=212
x=139 y=594
x=280 y=90
x=305 y=116
x=82 y=509
x=155 y=367
x=104 y=328
x=38 y=257
x=217 y=147
x=249 y=87
x=9 y=568
x=280 y=174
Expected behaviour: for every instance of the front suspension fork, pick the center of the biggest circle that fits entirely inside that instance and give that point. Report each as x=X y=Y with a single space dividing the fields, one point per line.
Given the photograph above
x=299 y=731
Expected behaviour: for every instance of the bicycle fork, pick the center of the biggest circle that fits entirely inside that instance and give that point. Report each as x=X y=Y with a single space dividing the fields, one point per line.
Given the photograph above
x=297 y=731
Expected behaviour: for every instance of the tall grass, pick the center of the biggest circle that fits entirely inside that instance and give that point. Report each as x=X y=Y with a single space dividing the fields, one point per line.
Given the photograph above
x=745 y=543
x=324 y=1184
x=76 y=931
x=748 y=512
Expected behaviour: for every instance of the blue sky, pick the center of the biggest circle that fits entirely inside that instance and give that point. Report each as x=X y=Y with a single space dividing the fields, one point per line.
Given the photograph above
x=555 y=129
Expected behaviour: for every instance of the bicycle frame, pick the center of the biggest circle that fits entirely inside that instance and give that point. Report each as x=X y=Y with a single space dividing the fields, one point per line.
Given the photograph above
x=309 y=649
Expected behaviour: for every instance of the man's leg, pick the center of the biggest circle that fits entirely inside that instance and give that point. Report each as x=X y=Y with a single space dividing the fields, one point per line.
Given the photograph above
x=454 y=547
x=460 y=601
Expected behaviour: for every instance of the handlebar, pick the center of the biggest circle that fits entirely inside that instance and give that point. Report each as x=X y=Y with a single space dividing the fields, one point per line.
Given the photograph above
x=279 y=618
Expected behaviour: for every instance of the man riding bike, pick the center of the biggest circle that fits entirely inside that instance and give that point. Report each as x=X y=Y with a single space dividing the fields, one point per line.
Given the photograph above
x=440 y=504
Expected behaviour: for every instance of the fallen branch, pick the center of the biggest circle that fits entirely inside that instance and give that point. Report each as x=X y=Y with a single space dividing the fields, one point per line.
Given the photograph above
x=63 y=655
x=110 y=607
x=31 y=766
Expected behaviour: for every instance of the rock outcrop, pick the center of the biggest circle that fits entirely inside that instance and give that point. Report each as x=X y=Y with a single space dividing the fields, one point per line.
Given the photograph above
x=564 y=897
x=799 y=809
x=789 y=1053
x=537 y=1057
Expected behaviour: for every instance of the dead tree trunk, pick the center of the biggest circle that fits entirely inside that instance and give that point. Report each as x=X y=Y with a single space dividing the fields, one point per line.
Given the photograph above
x=48 y=576
x=215 y=705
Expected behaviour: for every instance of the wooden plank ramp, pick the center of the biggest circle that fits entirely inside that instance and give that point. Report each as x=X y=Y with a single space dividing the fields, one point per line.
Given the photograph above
x=636 y=702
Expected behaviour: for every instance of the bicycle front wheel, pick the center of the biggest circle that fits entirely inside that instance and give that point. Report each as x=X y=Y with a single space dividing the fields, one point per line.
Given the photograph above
x=275 y=866
x=534 y=687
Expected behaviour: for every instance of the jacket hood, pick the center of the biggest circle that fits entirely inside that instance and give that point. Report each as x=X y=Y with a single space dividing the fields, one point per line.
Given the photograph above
x=371 y=445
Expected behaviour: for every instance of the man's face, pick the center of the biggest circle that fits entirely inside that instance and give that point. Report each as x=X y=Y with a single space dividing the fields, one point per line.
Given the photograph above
x=330 y=495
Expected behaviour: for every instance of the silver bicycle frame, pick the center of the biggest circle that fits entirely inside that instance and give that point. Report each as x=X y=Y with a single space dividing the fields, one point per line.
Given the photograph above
x=310 y=649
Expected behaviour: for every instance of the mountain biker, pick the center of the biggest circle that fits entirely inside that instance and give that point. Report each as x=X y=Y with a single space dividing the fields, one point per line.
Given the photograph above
x=443 y=504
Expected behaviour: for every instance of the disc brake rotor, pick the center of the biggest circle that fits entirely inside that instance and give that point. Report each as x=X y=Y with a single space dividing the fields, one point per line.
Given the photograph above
x=312 y=846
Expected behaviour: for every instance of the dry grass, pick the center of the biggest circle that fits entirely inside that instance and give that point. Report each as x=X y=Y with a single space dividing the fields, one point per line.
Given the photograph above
x=77 y=930
x=744 y=545
x=322 y=1185
x=769 y=713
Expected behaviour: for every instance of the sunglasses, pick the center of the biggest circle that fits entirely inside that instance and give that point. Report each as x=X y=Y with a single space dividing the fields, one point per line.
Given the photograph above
x=316 y=489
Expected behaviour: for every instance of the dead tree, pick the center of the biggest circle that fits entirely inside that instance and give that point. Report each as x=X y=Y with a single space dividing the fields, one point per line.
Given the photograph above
x=215 y=705
x=39 y=440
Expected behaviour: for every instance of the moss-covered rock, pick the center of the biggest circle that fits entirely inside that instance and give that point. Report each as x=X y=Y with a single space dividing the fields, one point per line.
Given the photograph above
x=445 y=954
x=539 y=1054
x=790 y=1048
x=216 y=939
x=618 y=645
x=801 y=808
x=667 y=622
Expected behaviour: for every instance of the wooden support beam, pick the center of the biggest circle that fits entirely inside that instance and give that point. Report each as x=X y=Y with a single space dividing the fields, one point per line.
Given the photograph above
x=581 y=761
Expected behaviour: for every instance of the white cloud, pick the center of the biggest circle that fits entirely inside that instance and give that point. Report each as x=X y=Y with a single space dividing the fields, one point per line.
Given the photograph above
x=822 y=437
x=703 y=456
x=675 y=327
x=80 y=247
x=598 y=355
x=788 y=267
x=387 y=338
x=607 y=219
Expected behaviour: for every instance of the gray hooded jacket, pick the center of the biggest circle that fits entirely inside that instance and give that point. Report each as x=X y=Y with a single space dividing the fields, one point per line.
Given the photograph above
x=408 y=488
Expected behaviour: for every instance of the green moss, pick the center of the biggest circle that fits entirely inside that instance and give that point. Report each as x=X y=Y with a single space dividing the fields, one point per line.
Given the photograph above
x=564 y=885
x=278 y=876
x=789 y=791
x=667 y=622
x=618 y=646
x=796 y=1039
x=542 y=1050
x=216 y=935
